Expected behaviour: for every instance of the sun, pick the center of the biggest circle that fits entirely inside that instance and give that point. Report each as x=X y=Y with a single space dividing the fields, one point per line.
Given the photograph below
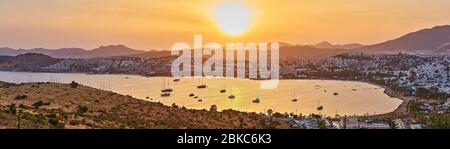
x=233 y=19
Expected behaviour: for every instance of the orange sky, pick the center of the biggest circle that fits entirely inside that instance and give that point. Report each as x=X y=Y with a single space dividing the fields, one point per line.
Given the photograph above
x=157 y=24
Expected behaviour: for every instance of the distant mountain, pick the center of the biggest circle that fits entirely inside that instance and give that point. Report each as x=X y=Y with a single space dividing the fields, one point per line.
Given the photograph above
x=27 y=62
x=151 y=54
x=103 y=51
x=287 y=51
x=308 y=52
x=423 y=40
x=327 y=45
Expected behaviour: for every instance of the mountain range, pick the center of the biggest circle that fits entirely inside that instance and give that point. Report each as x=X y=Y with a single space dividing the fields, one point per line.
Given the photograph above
x=103 y=51
x=328 y=45
x=432 y=40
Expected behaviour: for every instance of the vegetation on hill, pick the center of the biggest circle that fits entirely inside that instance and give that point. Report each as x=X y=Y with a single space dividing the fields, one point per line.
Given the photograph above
x=27 y=62
x=52 y=105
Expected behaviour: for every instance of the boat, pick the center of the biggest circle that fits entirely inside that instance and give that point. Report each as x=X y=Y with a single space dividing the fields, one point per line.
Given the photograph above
x=223 y=90
x=201 y=85
x=147 y=97
x=191 y=95
x=256 y=100
x=231 y=96
x=293 y=98
x=166 y=89
x=320 y=108
x=176 y=80
x=165 y=94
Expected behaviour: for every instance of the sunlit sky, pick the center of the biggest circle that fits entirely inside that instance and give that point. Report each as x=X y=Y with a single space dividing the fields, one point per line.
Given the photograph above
x=158 y=24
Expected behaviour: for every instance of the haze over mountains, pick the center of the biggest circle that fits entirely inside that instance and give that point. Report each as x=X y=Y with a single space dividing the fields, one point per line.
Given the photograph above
x=433 y=40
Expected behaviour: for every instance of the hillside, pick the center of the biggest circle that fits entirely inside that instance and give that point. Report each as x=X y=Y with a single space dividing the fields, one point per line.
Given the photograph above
x=26 y=62
x=422 y=40
x=51 y=105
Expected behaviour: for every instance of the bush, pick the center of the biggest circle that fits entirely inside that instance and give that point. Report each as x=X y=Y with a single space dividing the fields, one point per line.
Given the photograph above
x=74 y=84
x=38 y=104
x=81 y=109
x=18 y=97
x=12 y=109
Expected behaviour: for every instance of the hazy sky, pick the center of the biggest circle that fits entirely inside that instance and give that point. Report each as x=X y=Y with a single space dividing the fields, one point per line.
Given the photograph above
x=157 y=24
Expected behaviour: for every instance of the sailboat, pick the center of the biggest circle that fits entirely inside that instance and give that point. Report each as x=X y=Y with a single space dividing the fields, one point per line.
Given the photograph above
x=166 y=89
x=231 y=95
x=256 y=100
x=165 y=94
x=201 y=85
x=319 y=108
x=223 y=89
x=294 y=99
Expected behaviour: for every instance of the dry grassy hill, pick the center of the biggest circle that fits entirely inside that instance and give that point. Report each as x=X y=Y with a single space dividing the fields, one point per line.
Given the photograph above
x=51 y=105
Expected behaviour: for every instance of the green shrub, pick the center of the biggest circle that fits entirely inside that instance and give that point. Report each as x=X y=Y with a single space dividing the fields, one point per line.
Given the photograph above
x=81 y=109
x=12 y=109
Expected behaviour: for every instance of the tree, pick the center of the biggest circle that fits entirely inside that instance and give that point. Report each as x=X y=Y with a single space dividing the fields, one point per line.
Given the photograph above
x=12 y=109
x=270 y=111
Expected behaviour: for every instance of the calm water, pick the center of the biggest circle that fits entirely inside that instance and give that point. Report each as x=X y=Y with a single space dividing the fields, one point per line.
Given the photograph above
x=353 y=97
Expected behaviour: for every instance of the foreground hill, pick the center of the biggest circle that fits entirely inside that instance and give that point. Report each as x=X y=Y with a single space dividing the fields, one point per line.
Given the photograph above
x=51 y=105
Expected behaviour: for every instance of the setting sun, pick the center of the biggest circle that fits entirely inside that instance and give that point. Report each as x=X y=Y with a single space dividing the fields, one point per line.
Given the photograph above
x=233 y=19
